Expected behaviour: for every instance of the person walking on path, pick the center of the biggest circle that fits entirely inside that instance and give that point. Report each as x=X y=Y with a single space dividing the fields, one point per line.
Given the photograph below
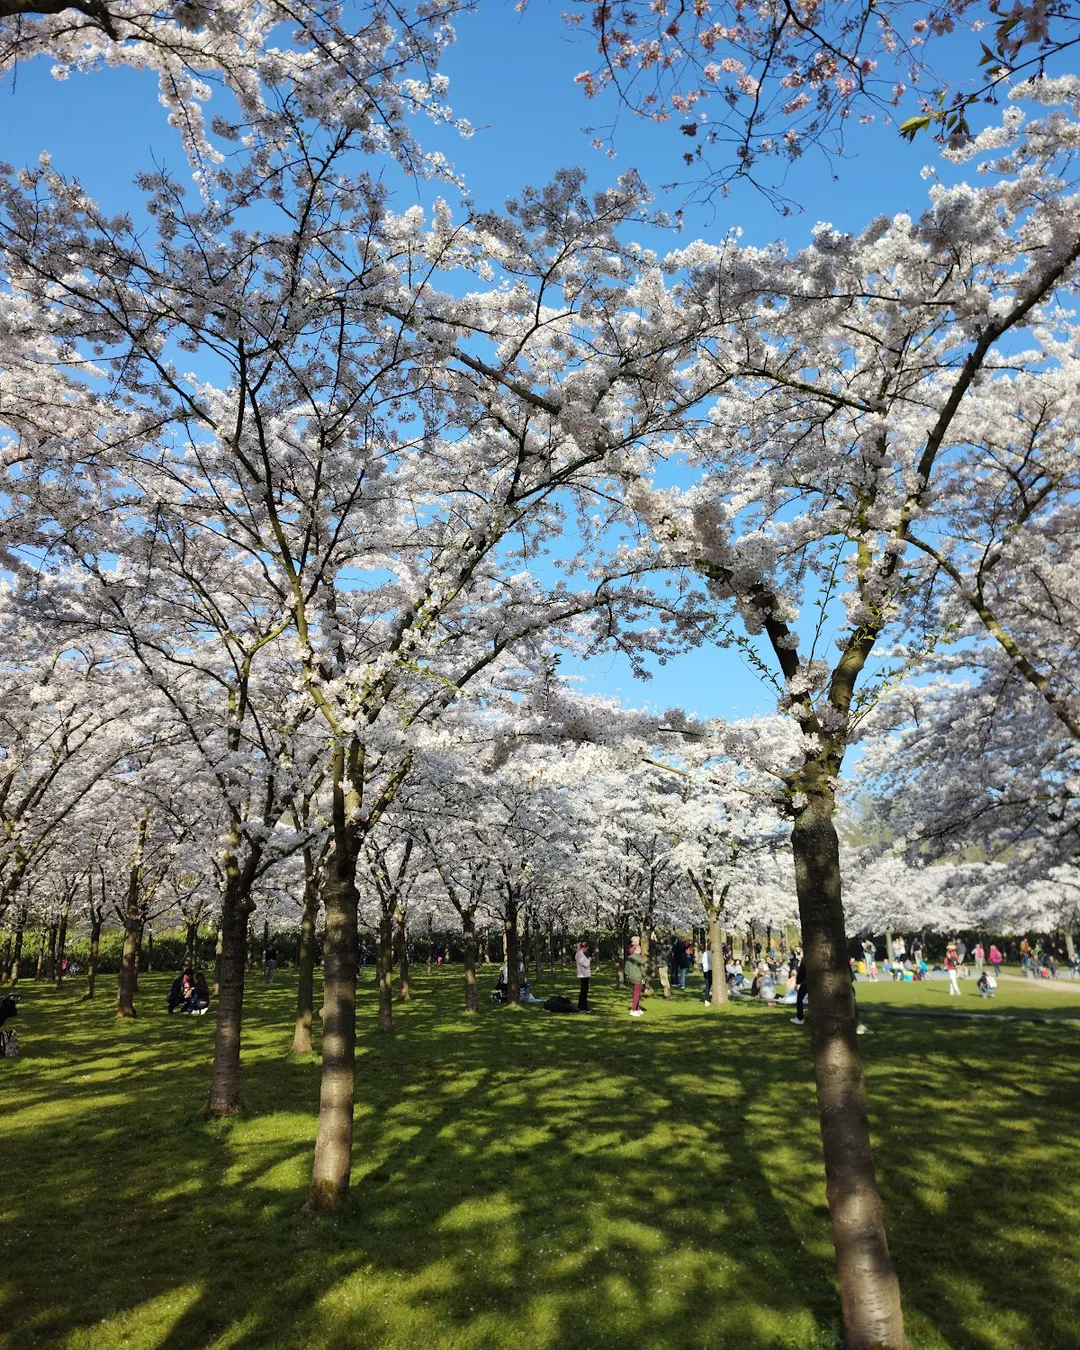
x=635 y=976
x=952 y=965
x=662 y=950
x=996 y=959
x=271 y=963
x=979 y=956
x=583 y=961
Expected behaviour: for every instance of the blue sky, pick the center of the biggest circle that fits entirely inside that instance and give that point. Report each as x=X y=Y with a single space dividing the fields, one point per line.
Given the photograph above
x=512 y=76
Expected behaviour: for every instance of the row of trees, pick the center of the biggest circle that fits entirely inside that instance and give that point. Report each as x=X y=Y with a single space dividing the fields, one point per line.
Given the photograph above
x=305 y=498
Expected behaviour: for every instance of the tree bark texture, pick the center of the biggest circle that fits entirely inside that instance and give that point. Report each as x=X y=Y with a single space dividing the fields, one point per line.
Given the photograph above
x=510 y=931
x=224 y=1095
x=719 y=995
x=384 y=1020
x=403 y=959
x=95 y=948
x=61 y=949
x=305 y=959
x=191 y=939
x=869 y=1290
x=468 y=932
x=16 y=955
x=332 y=1168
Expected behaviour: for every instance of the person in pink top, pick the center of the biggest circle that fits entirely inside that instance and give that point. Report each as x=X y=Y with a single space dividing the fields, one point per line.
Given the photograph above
x=952 y=965
x=996 y=959
x=979 y=956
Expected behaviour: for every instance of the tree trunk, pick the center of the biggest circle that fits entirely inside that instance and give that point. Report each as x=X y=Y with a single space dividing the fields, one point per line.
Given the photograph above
x=191 y=940
x=305 y=982
x=129 y=968
x=718 y=997
x=403 y=959
x=217 y=961
x=16 y=955
x=468 y=931
x=61 y=948
x=41 y=955
x=224 y=1095
x=650 y=964
x=869 y=1290
x=149 y=951
x=513 y=986
x=332 y=1167
x=95 y=947
x=50 y=959
x=5 y=965
x=384 y=970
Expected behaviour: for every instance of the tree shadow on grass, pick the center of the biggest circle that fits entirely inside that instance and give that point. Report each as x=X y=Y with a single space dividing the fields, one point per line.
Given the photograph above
x=517 y=1176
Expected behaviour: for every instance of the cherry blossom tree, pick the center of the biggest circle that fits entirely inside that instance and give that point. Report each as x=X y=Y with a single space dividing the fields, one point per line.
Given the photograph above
x=752 y=88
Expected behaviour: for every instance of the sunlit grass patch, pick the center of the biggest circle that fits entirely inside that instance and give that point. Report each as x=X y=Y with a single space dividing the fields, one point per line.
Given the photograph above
x=541 y=1181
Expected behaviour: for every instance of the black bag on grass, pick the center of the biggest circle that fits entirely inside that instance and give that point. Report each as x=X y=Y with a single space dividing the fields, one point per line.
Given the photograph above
x=558 y=1003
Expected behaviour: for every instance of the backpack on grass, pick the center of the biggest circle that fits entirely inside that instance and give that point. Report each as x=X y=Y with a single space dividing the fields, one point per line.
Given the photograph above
x=558 y=1003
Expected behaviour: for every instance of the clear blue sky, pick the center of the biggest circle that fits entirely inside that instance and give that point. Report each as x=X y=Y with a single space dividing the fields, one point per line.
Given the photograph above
x=512 y=77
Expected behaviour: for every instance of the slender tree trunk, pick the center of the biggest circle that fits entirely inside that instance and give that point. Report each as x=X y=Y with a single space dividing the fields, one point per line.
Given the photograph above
x=50 y=959
x=224 y=1096
x=468 y=931
x=95 y=948
x=513 y=985
x=403 y=958
x=332 y=1167
x=61 y=949
x=719 y=995
x=5 y=965
x=869 y=1290
x=41 y=955
x=305 y=982
x=191 y=939
x=16 y=956
x=384 y=1020
x=129 y=968
x=218 y=944
x=149 y=951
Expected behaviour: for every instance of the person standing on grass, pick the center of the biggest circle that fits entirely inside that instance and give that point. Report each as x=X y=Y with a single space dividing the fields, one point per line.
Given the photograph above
x=996 y=959
x=952 y=965
x=870 y=957
x=271 y=963
x=635 y=976
x=662 y=951
x=583 y=961
x=680 y=962
x=706 y=972
x=979 y=956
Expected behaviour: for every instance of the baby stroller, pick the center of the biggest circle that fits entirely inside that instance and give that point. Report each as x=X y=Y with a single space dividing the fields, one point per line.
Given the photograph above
x=9 y=1040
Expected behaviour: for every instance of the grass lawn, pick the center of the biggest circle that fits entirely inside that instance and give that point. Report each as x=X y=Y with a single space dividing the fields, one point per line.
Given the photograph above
x=523 y=1179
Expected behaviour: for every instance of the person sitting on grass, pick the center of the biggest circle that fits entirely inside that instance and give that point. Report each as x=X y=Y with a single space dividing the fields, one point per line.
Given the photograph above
x=987 y=985
x=199 y=1001
x=180 y=991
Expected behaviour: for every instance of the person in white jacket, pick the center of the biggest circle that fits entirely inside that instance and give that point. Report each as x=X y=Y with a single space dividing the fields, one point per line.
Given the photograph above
x=583 y=961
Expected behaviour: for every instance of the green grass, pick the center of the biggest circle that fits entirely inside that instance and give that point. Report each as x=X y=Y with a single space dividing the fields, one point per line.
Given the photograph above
x=552 y=1183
